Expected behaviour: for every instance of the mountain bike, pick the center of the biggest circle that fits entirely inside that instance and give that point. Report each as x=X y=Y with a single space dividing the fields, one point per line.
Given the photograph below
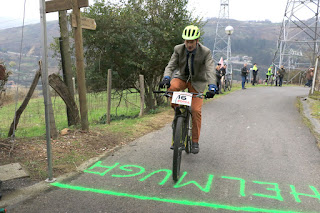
x=227 y=82
x=181 y=126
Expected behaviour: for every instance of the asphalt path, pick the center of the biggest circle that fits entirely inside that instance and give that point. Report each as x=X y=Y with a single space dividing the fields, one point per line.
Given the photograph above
x=256 y=155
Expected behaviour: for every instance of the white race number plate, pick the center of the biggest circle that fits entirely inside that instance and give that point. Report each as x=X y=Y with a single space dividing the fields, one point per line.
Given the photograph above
x=182 y=98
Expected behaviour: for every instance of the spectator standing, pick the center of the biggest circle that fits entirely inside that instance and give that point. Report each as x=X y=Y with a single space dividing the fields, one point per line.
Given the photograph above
x=254 y=72
x=309 y=76
x=281 y=72
x=244 y=73
x=218 y=78
x=223 y=71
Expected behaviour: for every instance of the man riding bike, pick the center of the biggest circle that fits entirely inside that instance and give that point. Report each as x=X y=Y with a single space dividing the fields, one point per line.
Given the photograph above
x=195 y=70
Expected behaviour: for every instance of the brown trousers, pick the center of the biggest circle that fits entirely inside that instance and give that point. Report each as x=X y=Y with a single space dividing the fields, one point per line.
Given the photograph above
x=178 y=85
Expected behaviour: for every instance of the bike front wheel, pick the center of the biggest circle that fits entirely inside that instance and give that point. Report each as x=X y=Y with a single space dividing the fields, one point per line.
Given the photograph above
x=177 y=151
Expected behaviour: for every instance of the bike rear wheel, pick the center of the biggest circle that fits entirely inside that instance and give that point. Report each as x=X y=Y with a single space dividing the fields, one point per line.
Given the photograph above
x=228 y=86
x=177 y=151
x=225 y=86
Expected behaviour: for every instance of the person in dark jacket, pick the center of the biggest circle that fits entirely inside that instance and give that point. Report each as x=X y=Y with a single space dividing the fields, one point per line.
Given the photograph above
x=218 y=78
x=244 y=73
x=281 y=73
x=223 y=71
x=309 y=76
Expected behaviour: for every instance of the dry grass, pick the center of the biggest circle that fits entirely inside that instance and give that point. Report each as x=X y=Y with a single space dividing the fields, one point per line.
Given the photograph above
x=12 y=94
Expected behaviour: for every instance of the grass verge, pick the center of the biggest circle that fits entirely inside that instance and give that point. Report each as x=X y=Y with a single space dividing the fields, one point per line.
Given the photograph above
x=307 y=122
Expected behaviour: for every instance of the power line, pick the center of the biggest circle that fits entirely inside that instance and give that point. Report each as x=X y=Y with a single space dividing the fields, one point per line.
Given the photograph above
x=20 y=58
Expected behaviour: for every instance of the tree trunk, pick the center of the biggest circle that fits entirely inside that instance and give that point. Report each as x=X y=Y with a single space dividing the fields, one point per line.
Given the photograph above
x=24 y=104
x=66 y=57
x=149 y=99
x=58 y=85
x=52 y=124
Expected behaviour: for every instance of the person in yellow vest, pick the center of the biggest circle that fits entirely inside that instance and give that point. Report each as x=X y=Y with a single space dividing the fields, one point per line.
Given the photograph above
x=254 y=72
x=269 y=74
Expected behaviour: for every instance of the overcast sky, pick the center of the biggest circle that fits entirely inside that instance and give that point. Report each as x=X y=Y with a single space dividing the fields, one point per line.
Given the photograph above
x=272 y=10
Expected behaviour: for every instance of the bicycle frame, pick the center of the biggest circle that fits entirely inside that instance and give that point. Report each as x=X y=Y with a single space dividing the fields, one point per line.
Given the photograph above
x=182 y=128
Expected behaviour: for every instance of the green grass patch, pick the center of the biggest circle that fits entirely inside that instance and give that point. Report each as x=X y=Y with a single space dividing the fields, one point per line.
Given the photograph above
x=315 y=105
x=124 y=111
x=32 y=120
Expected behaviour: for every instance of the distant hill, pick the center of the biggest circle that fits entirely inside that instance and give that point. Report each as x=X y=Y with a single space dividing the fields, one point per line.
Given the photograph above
x=10 y=44
x=251 y=38
x=10 y=38
x=256 y=39
x=263 y=33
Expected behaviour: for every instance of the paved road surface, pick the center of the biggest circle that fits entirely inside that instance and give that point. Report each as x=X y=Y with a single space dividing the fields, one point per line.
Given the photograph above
x=256 y=155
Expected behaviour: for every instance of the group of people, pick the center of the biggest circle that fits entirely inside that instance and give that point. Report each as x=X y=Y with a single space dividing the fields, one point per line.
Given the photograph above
x=278 y=77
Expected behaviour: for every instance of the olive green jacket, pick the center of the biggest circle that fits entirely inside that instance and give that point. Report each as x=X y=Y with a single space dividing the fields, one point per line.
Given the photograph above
x=203 y=65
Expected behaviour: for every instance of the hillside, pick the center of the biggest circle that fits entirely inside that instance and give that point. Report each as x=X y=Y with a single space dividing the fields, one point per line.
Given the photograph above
x=10 y=44
x=251 y=38
x=254 y=39
x=10 y=38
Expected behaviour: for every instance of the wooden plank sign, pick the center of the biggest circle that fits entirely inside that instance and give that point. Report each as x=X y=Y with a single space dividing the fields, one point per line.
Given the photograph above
x=58 y=5
x=86 y=23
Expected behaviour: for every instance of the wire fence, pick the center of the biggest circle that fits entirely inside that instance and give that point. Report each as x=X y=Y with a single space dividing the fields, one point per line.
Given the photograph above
x=124 y=104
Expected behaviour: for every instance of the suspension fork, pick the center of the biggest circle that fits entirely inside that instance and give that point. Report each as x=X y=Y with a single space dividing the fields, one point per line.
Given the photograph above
x=189 y=121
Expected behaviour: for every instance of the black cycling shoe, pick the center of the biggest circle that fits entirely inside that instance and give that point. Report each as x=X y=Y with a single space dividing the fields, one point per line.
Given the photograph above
x=195 y=148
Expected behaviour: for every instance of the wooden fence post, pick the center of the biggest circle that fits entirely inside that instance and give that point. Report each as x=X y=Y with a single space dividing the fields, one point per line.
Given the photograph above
x=109 y=96
x=82 y=90
x=141 y=80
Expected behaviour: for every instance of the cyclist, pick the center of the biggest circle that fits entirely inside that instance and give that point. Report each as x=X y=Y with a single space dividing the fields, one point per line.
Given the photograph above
x=195 y=70
x=269 y=74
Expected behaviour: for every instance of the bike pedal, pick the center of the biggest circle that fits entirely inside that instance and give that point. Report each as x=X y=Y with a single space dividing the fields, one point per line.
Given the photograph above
x=182 y=147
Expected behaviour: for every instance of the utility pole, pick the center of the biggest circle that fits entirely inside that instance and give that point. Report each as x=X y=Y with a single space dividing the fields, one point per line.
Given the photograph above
x=222 y=41
x=299 y=35
x=45 y=85
x=221 y=38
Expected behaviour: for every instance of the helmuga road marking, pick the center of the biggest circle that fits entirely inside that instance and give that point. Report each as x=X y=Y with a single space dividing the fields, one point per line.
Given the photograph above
x=125 y=171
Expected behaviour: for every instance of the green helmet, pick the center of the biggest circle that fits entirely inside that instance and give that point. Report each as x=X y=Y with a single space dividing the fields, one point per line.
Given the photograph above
x=191 y=32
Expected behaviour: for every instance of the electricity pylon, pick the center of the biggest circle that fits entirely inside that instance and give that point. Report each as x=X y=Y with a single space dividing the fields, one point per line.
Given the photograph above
x=222 y=48
x=299 y=35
